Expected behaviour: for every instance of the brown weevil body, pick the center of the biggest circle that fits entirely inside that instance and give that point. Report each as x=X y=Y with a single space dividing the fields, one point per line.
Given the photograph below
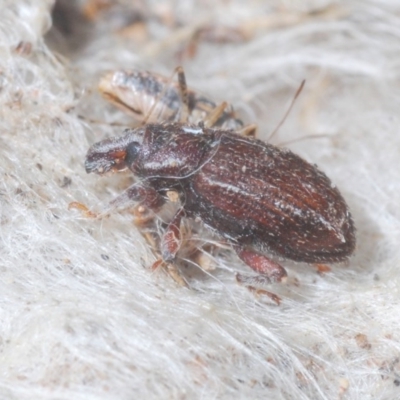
x=259 y=198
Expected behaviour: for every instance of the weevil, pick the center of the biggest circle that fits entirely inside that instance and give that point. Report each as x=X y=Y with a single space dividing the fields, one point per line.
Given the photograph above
x=261 y=199
x=150 y=97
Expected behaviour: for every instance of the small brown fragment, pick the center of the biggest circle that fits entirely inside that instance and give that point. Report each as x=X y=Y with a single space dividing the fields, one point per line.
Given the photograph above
x=24 y=48
x=93 y=8
x=173 y=196
x=343 y=386
x=323 y=268
x=362 y=341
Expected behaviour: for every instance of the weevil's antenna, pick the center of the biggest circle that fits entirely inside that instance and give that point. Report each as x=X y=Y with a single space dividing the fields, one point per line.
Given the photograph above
x=288 y=110
x=316 y=136
x=182 y=92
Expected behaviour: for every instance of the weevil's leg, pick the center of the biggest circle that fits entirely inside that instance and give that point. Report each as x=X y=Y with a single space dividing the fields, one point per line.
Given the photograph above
x=172 y=271
x=248 y=130
x=269 y=271
x=83 y=208
x=138 y=193
x=170 y=244
x=171 y=240
x=146 y=198
x=214 y=116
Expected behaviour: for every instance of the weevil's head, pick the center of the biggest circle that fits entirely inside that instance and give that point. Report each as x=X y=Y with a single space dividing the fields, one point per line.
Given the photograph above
x=113 y=154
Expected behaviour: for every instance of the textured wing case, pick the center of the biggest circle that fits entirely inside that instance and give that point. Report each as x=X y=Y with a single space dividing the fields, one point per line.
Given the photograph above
x=249 y=190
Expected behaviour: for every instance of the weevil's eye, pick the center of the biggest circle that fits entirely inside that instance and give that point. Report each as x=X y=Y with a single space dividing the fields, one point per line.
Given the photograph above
x=132 y=150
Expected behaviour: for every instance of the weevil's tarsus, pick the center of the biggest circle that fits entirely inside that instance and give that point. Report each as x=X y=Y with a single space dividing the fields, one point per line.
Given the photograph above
x=243 y=280
x=176 y=275
x=75 y=205
x=323 y=268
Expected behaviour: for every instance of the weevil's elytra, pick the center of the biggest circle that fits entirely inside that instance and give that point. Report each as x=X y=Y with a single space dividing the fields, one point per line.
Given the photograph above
x=260 y=198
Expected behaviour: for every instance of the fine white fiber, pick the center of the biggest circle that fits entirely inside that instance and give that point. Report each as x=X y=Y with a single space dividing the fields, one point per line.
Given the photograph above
x=83 y=315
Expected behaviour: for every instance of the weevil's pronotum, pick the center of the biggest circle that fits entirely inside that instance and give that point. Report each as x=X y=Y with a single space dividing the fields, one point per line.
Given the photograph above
x=150 y=97
x=259 y=198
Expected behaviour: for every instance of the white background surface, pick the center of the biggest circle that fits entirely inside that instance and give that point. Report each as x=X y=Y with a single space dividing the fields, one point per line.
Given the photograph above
x=82 y=316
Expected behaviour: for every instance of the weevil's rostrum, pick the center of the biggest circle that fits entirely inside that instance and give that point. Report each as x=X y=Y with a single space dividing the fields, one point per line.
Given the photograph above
x=136 y=92
x=259 y=198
